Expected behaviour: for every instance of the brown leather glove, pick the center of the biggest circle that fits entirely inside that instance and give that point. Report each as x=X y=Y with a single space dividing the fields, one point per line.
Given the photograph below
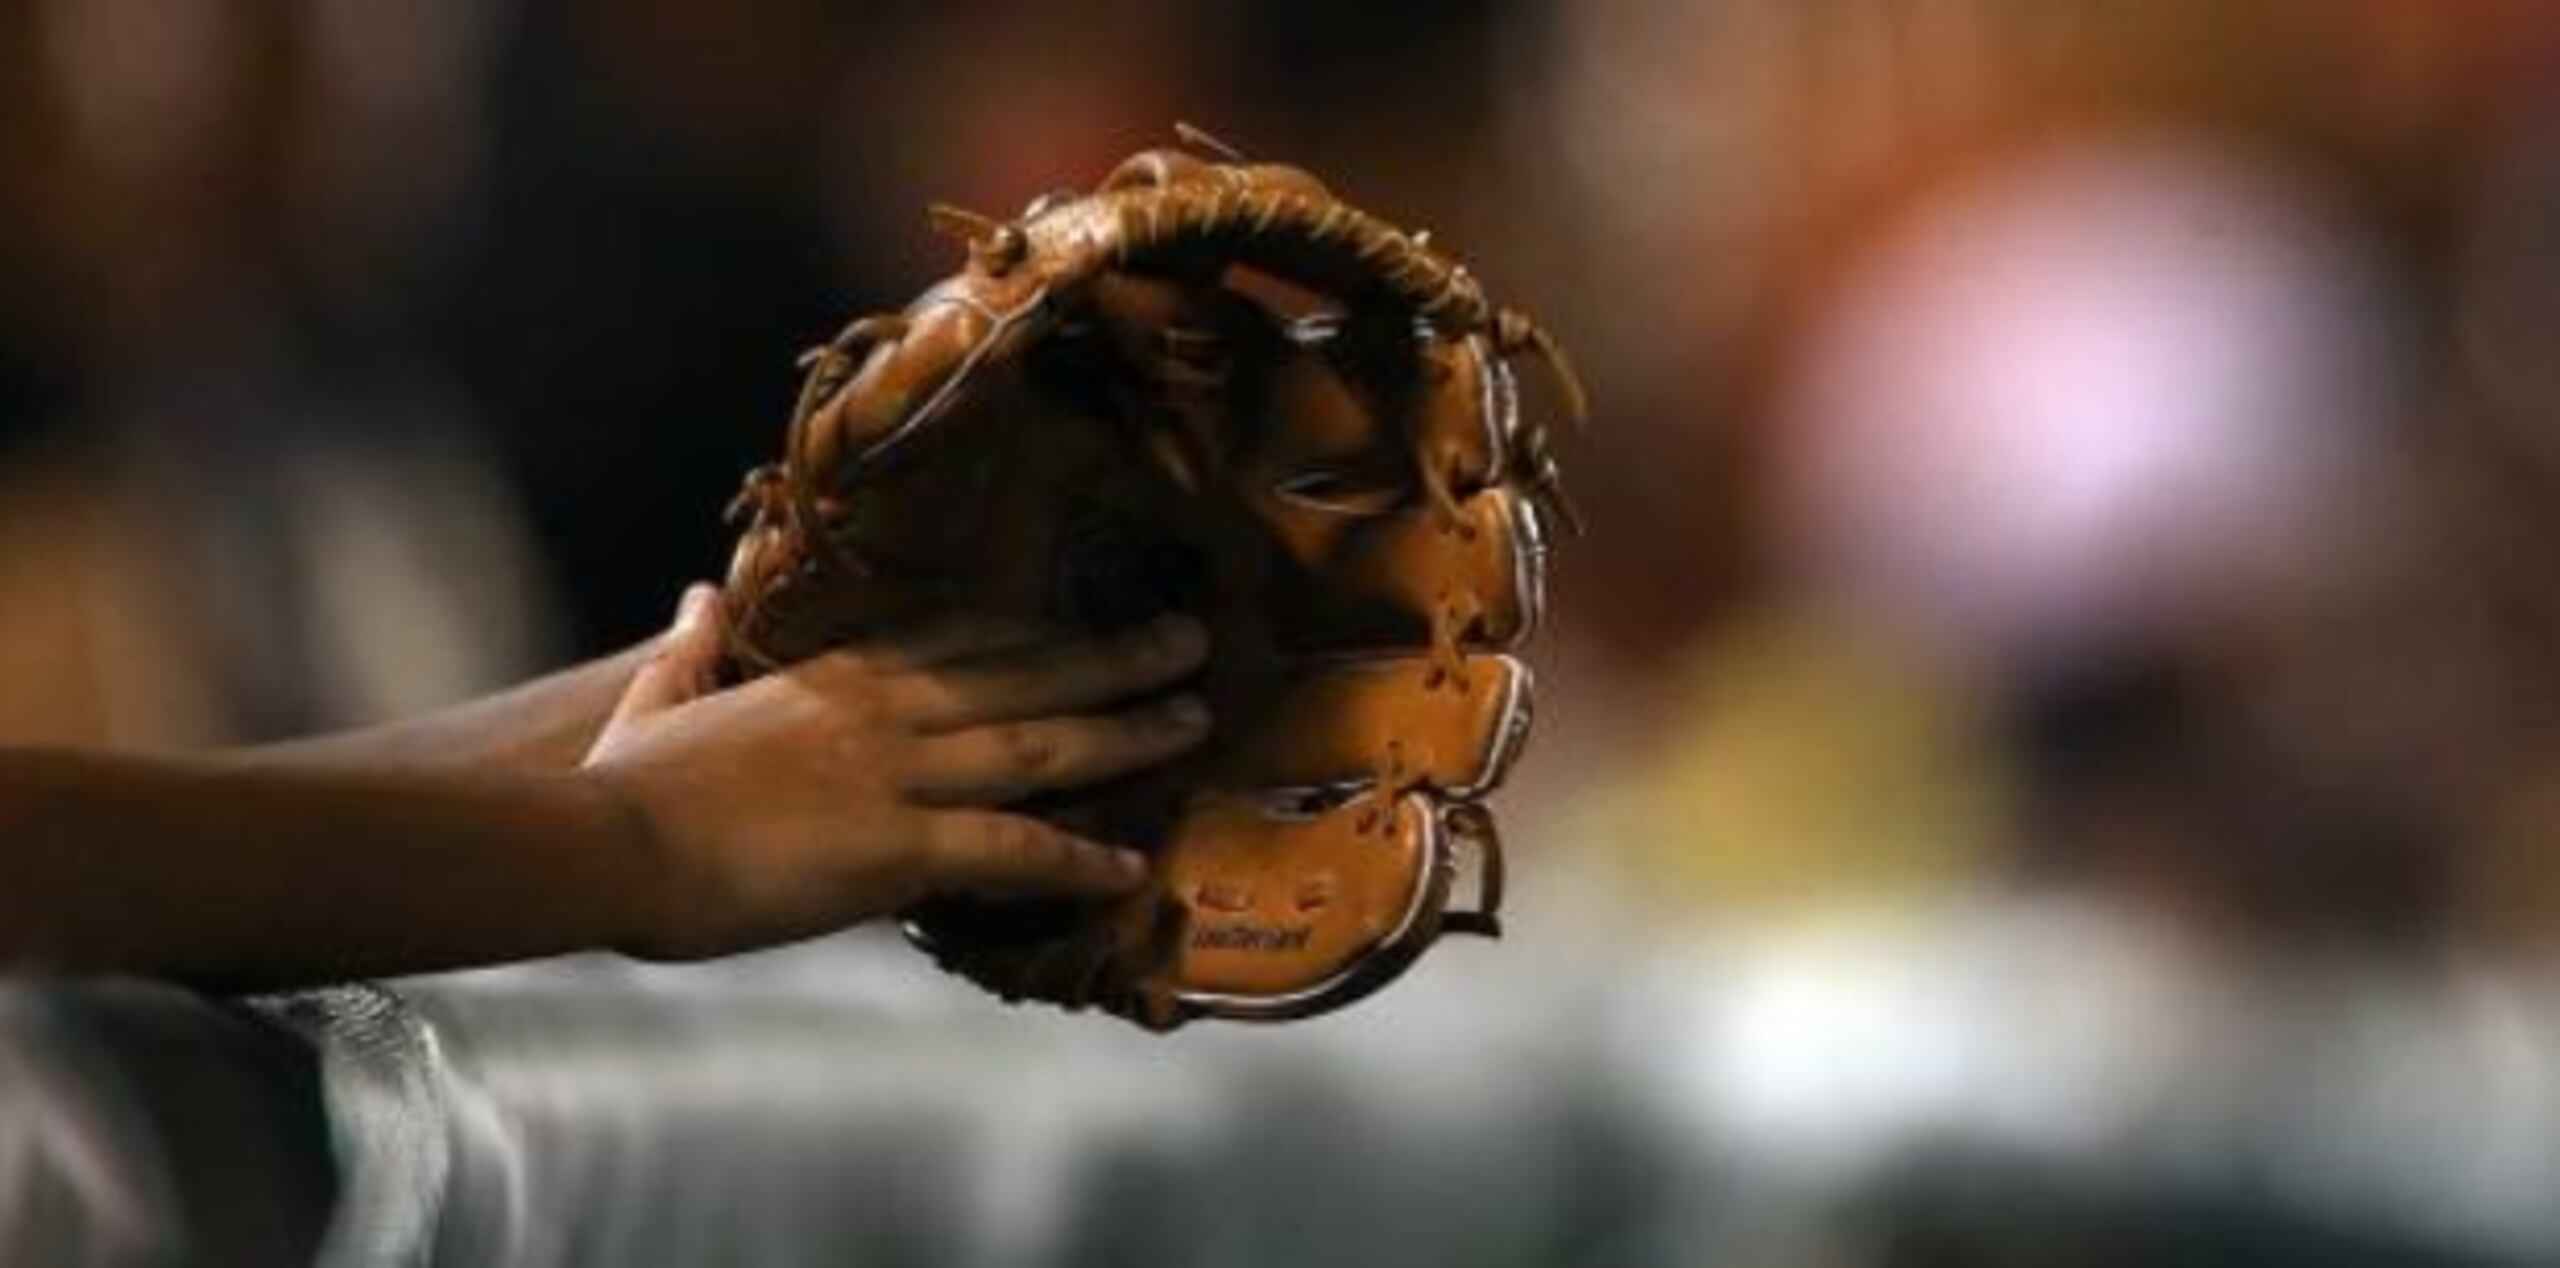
x=1212 y=387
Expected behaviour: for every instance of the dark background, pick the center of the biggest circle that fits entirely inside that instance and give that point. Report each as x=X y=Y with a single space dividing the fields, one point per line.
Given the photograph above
x=2067 y=645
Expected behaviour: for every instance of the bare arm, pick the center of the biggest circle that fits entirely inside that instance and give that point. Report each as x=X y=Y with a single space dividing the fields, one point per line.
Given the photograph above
x=698 y=824
x=544 y=725
x=242 y=876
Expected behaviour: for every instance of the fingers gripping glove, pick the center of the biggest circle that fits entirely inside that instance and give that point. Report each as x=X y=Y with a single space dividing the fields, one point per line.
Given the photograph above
x=1208 y=386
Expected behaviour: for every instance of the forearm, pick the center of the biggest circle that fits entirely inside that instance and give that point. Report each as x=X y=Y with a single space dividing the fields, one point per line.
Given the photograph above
x=544 y=725
x=243 y=875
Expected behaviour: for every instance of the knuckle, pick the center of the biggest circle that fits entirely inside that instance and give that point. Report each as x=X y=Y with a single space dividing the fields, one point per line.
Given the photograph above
x=1167 y=721
x=1176 y=639
x=852 y=745
x=861 y=697
x=894 y=771
x=840 y=671
x=1166 y=642
x=909 y=704
x=1020 y=841
x=1028 y=748
x=915 y=851
x=1132 y=733
x=1133 y=654
x=1138 y=731
x=826 y=665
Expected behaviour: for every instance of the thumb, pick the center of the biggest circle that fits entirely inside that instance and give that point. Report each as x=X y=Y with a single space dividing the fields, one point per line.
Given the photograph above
x=682 y=664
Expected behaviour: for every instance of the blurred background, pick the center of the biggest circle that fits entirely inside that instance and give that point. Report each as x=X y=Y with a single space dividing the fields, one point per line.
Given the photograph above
x=2051 y=746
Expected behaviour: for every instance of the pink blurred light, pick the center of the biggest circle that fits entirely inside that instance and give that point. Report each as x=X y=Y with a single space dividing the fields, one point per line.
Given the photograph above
x=2082 y=396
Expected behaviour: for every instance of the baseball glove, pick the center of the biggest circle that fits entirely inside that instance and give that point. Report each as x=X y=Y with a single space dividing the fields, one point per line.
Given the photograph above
x=1209 y=386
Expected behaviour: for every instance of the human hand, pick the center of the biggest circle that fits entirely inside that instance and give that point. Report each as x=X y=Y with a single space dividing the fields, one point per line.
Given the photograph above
x=854 y=784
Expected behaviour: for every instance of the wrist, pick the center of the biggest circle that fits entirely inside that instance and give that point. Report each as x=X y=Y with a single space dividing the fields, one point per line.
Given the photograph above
x=640 y=893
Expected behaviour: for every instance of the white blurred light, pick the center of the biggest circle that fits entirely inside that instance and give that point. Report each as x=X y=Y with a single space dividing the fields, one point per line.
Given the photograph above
x=2364 y=1093
x=2043 y=1028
